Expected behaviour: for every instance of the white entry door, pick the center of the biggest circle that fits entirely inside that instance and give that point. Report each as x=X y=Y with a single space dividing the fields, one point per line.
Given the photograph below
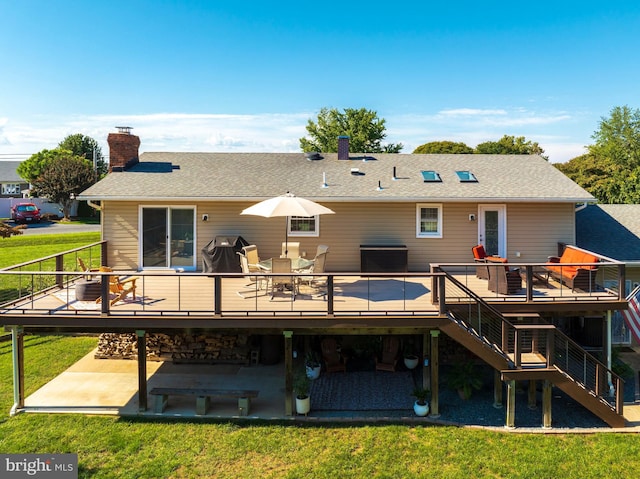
x=492 y=229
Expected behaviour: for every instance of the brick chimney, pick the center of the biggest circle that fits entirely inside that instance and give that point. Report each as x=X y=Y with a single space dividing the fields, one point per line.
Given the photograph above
x=123 y=149
x=343 y=147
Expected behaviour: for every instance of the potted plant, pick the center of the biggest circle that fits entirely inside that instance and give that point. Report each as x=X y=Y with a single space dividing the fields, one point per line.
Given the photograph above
x=464 y=377
x=312 y=365
x=421 y=406
x=411 y=359
x=301 y=387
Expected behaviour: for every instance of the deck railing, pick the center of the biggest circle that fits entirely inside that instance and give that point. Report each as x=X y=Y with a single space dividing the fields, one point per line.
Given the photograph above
x=529 y=342
x=33 y=277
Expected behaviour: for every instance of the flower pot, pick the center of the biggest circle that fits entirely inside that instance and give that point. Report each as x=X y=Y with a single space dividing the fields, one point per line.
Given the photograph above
x=411 y=362
x=303 y=405
x=313 y=372
x=421 y=409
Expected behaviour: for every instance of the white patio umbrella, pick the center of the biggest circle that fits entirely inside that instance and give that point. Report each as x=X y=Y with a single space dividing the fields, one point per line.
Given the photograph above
x=286 y=205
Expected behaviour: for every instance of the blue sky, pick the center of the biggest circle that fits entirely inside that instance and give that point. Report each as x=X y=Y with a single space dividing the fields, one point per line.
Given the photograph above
x=246 y=76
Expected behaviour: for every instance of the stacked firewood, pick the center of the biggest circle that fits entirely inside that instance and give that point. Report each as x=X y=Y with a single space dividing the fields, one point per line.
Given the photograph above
x=209 y=348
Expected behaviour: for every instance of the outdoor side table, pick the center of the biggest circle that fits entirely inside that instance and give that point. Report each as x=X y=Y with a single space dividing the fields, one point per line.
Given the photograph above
x=88 y=290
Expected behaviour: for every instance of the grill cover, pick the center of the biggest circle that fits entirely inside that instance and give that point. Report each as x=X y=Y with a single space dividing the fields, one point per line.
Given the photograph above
x=219 y=255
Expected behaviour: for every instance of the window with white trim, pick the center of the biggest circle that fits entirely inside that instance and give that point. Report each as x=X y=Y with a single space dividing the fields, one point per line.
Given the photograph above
x=428 y=220
x=304 y=226
x=10 y=188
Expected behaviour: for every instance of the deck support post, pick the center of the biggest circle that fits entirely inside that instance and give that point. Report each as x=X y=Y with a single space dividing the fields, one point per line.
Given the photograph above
x=288 y=373
x=531 y=399
x=142 y=369
x=607 y=351
x=546 y=404
x=497 y=389
x=434 y=366
x=426 y=370
x=17 y=347
x=510 y=421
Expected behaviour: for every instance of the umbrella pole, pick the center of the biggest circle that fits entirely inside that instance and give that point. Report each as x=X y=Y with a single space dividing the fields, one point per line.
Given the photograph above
x=286 y=236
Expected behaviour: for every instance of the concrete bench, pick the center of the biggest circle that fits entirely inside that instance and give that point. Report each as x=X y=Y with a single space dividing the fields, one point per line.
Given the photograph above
x=203 y=398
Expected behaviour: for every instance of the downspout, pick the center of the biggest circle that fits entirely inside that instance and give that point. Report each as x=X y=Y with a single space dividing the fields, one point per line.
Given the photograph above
x=581 y=207
x=94 y=205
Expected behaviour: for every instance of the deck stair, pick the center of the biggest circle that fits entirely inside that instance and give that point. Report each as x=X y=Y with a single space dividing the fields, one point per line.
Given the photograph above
x=523 y=347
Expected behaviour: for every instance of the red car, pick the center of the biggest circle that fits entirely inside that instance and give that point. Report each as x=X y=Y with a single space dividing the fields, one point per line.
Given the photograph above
x=25 y=213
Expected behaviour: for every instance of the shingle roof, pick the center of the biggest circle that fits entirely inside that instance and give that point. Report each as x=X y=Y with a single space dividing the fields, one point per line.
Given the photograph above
x=8 y=172
x=224 y=176
x=611 y=230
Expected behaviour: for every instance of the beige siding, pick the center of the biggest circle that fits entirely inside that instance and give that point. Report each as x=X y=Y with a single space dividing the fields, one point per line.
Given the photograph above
x=532 y=229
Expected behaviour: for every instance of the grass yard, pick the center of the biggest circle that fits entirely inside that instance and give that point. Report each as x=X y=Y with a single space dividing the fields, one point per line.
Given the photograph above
x=109 y=447
x=18 y=249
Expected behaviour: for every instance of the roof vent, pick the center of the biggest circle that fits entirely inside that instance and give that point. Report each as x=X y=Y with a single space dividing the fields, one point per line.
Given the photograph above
x=313 y=155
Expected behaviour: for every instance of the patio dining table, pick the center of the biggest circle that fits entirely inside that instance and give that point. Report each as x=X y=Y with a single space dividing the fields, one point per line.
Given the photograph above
x=297 y=264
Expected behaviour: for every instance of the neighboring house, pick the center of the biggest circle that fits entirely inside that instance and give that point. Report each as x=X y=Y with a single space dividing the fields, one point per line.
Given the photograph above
x=613 y=231
x=11 y=185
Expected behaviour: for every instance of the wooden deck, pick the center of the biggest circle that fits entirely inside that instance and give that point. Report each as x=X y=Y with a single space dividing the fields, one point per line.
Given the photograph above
x=193 y=295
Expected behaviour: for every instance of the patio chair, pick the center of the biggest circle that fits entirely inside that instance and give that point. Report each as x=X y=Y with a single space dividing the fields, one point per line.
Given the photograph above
x=316 y=268
x=503 y=280
x=389 y=356
x=261 y=281
x=84 y=268
x=290 y=249
x=322 y=248
x=119 y=288
x=282 y=265
x=480 y=256
x=334 y=361
x=251 y=252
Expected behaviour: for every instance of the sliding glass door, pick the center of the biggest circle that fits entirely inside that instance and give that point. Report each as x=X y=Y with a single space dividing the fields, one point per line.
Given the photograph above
x=168 y=235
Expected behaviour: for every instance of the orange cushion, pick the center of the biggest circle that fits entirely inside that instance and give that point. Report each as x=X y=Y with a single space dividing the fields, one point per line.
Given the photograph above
x=479 y=252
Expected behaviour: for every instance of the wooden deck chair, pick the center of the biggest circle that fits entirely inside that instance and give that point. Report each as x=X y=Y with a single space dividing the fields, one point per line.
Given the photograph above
x=282 y=265
x=333 y=359
x=119 y=288
x=389 y=357
x=84 y=268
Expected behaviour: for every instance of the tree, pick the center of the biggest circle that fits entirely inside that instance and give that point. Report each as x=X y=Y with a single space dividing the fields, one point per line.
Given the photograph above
x=31 y=168
x=64 y=177
x=365 y=130
x=444 y=147
x=599 y=176
x=510 y=145
x=85 y=147
x=618 y=137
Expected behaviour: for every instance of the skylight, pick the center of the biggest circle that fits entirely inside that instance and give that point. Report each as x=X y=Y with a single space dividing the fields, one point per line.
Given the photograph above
x=430 y=176
x=466 y=177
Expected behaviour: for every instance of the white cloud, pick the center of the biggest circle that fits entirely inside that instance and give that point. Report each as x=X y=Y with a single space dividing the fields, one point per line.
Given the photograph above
x=471 y=112
x=281 y=132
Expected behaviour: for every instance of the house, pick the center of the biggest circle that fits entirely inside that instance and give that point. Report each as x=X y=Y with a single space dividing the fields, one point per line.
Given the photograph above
x=11 y=185
x=613 y=231
x=437 y=206
x=415 y=218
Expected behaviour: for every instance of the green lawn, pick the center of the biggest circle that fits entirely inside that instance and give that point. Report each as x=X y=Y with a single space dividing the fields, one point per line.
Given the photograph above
x=18 y=249
x=110 y=447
